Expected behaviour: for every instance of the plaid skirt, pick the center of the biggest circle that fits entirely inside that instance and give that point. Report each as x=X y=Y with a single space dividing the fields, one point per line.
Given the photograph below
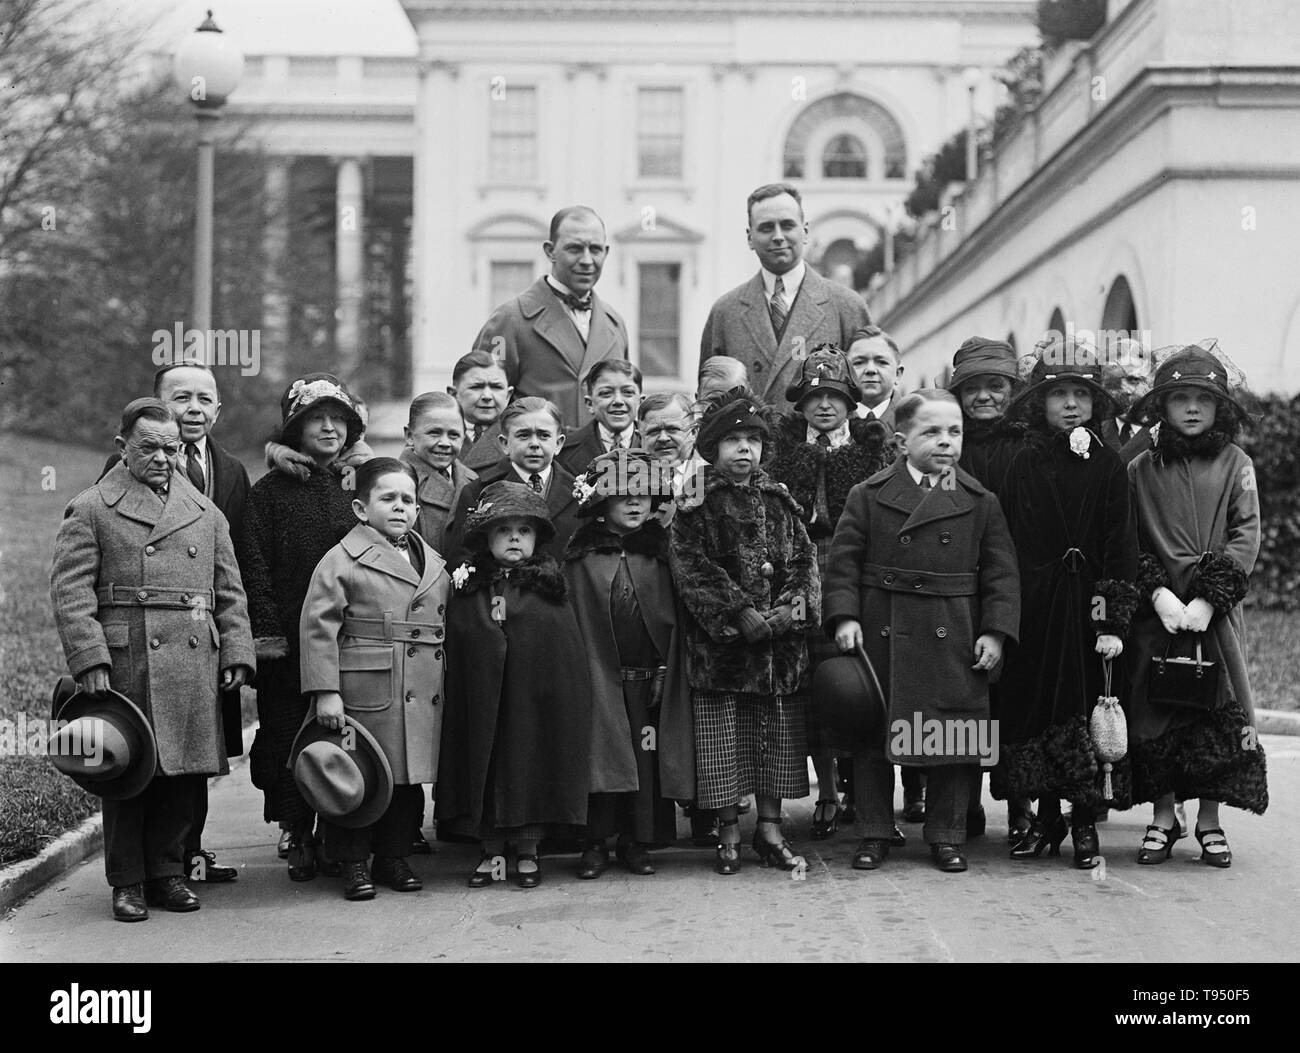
x=747 y=743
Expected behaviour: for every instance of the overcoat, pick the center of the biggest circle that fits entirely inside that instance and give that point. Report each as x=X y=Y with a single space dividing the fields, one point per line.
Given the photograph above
x=484 y=451
x=437 y=496
x=583 y=444
x=988 y=448
x=720 y=548
x=518 y=700
x=1199 y=532
x=1076 y=542
x=740 y=325
x=591 y=561
x=153 y=589
x=373 y=630
x=926 y=573
x=561 y=507
x=228 y=488
x=542 y=351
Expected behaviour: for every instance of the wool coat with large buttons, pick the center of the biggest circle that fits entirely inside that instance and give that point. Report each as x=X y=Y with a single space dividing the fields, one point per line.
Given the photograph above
x=151 y=587
x=374 y=630
x=926 y=572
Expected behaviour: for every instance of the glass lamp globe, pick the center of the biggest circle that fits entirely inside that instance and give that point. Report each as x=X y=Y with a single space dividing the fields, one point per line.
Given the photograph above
x=207 y=66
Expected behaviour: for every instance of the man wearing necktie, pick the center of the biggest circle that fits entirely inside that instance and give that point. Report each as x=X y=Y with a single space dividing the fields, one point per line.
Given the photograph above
x=1126 y=376
x=774 y=320
x=613 y=393
x=549 y=336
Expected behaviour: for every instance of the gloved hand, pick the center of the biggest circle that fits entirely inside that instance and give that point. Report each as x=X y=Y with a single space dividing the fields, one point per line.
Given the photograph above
x=780 y=619
x=1169 y=609
x=752 y=625
x=1197 y=615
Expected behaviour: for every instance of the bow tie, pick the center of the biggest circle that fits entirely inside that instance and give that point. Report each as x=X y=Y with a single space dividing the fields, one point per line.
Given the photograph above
x=402 y=542
x=573 y=302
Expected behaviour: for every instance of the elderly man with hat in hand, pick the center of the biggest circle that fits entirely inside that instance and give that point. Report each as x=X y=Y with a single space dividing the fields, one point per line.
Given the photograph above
x=149 y=604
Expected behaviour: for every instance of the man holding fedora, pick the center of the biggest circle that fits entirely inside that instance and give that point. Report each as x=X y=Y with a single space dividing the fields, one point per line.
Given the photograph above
x=149 y=605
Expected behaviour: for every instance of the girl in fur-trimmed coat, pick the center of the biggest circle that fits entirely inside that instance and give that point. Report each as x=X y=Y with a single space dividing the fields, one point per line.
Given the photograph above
x=1198 y=527
x=747 y=574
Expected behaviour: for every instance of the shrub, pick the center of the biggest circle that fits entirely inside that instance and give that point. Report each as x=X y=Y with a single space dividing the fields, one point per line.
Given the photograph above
x=1273 y=442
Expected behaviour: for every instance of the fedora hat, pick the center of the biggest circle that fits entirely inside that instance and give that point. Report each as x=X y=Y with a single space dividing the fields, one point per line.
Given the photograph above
x=342 y=774
x=826 y=368
x=847 y=697
x=101 y=741
x=505 y=499
x=622 y=473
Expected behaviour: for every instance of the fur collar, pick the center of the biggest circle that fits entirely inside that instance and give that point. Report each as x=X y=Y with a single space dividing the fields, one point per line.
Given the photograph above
x=978 y=432
x=540 y=574
x=863 y=432
x=651 y=540
x=1172 y=445
x=714 y=481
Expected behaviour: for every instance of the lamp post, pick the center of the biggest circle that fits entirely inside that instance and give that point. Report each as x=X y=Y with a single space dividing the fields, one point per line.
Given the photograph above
x=972 y=76
x=207 y=67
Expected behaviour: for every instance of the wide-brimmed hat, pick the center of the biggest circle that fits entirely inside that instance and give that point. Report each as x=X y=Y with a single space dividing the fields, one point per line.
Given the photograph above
x=505 y=499
x=102 y=741
x=847 y=698
x=729 y=411
x=1202 y=366
x=343 y=774
x=1055 y=360
x=309 y=392
x=622 y=473
x=979 y=356
x=826 y=368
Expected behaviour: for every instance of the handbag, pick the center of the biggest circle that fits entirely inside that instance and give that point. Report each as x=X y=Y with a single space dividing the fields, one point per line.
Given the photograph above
x=1183 y=682
x=1108 y=729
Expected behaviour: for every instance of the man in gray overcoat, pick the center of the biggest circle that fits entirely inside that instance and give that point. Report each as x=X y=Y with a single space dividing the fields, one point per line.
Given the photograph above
x=148 y=601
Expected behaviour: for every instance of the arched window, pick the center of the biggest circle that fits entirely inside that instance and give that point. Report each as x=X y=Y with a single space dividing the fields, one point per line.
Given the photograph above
x=1056 y=324
x=1120 y=313
x=1011 y=339
x=844 y=158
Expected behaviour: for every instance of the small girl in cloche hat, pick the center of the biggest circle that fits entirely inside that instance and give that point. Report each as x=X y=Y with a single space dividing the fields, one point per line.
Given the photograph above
x=1198 y=529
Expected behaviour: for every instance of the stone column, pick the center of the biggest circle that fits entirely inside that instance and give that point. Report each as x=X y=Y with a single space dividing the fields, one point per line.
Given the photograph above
x=349 y=266
x=274 y=340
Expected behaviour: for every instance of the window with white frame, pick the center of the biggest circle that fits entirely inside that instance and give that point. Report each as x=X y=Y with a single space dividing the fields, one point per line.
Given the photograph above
x=507 y=279
x=660 y=132
x=659 y=316
x=512 y=135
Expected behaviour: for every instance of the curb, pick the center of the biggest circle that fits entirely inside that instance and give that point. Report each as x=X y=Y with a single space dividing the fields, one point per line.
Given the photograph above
x=21 y=880
x=1277 y=722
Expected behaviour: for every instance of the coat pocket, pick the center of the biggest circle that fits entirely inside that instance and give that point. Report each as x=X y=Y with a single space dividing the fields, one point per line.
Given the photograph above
x=366 y=677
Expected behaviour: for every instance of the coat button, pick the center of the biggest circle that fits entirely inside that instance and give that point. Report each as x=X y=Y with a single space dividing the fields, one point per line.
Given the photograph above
x=888 y=579
x=767 y=570
x=410 y=696
x=149 y=550
x=437 y=655
x=415 y=634
x=185 y=597
x=440 y=608
x=142 y=595
x=192 y=551
x=941 y=632
x=758 y=367
x=416 y=606
x=437 y=699
x=884 y=630
x=410 y=652
x=194 y=641
x=945 y=538
x=155 y=643
x=918 y=584
x=906 y=539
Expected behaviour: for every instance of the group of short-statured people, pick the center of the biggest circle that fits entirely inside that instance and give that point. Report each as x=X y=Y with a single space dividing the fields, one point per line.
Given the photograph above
x=571 y=606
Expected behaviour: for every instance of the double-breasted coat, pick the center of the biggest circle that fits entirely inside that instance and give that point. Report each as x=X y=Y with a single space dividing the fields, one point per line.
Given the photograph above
x=374 y=630
x=925 y=572
x=542 y=351
x=437 y=496
x=151 y=588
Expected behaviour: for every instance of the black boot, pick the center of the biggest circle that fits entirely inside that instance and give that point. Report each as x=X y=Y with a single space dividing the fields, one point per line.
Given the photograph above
x=356 y=880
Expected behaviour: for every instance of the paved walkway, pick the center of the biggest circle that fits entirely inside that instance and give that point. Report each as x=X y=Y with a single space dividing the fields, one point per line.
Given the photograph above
x=997 y=911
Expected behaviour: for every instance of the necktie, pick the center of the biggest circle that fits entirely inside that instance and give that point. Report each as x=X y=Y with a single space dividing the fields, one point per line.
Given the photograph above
x=926 y=484
x=823 y=439
x=535 y=481
x=194 y=467
x=402 y=542
x=777 y=306
x=575 y=304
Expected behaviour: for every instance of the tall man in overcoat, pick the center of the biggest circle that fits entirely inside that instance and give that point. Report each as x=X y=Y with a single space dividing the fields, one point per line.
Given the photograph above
x=772 y=321
x=148 y=600
x=549 y=336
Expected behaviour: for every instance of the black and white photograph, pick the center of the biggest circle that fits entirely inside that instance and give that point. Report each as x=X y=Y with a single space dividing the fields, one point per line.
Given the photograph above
x=651 y=481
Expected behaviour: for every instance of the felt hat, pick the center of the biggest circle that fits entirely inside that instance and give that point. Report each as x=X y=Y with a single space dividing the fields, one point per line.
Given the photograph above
x=729 y=411
x=979 y=356
x=825 y=369
x=344 y=774
x=622 y=473
x=1201 y=366
x=1055 y=360
x=102 y=741
x=505 y=499
x=310 y=391
x=847 y=697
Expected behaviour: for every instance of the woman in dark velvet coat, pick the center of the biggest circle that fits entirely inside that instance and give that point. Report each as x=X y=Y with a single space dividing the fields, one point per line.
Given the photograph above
x=1067 y=503
x=289 y=524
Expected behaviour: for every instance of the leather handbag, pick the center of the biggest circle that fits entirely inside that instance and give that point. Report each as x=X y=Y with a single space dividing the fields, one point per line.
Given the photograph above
x=1183 y=682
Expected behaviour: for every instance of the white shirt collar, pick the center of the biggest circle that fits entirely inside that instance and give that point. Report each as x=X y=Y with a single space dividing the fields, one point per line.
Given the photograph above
x=545 y=473
x=916 y=474
x=790 y=281
x=608 y=438
x=838 y=437
x=878 y=410
x=565 y=289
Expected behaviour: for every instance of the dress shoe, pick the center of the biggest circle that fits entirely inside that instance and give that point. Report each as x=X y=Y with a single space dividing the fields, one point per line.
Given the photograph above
x=593 y=861
x=1039 y=836
x=356 y=880
x=302 y=857
x=825 y=820
x=1087 y=851
x=202 y=866
x=528 y=878
x=899 y=839
x=397 y=874
x=636 y=857
x=171 y=893
x=481 y=878
x=871 y=853
x=421 y=847
x=282 y=846
x=948 y=858
x=914 y=809
x=128 y=903
x=976 y=821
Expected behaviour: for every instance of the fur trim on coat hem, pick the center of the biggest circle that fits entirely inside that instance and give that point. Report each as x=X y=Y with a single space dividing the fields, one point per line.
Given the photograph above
x=1059 y=763
x=1218 y=759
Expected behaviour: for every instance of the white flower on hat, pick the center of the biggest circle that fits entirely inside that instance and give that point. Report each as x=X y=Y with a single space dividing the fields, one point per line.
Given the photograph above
x=301 y=394
x=1080 y=440
x=461 y=575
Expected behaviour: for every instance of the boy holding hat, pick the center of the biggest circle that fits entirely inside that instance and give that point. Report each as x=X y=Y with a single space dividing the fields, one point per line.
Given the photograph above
x=922 y=575
x=149 y=602
x=747 y=574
